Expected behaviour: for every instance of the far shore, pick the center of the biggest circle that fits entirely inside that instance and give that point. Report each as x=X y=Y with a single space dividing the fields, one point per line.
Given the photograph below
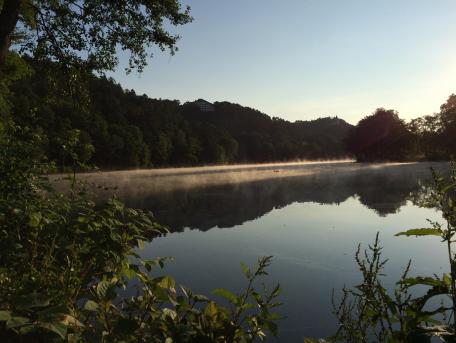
x=207 y=168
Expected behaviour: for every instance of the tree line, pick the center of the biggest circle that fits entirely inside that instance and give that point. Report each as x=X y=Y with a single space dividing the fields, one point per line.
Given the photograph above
x=383 y=136
x=67 y=262
x=117 y=128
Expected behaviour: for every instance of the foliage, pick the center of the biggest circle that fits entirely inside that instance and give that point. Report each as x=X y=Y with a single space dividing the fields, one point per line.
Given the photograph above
x=15 y=69
x=87 y=34
x=437 y=133
x=261 y=138
x=368 y=312
x=381 y=136
x=68 y=269
x=129 y=130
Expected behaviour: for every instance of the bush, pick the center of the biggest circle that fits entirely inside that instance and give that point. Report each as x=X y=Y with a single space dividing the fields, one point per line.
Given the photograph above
x=66 y=263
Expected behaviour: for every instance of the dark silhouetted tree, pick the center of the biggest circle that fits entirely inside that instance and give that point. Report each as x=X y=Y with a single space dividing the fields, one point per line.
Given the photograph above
x=86 y=34
x=448 y=126
x=382 y=136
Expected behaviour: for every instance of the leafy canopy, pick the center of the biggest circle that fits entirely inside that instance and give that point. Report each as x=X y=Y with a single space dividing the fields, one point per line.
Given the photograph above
x=89 y=33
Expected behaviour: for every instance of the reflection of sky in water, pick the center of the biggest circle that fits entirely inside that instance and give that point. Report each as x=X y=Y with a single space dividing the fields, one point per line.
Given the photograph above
x=310 y=218
x=313 y=247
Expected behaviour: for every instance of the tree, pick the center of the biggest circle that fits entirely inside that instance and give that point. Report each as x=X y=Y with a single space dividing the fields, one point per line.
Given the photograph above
x=436 y=134
x=381 y=136
x=87 y=34
x=448 y=120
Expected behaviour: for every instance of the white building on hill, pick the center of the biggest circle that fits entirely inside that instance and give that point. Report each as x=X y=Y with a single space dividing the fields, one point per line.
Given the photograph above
x=204 y=106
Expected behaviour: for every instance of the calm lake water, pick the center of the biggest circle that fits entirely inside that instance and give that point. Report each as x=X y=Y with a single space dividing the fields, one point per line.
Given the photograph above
x=310 y=217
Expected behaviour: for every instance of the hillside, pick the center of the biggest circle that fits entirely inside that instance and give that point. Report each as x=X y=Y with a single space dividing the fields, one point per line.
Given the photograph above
x=120 y=129
x=262 y=138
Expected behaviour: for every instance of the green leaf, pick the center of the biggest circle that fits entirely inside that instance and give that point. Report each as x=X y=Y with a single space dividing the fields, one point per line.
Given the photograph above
x=169 y=313
x=271 y=326
x=275 y=316
x=245 y=270
x=32 y=300
x=102 y=288
x=421 y=232
x=71 y=321
x=82 y=219
x=16 y=322
x=90 y=305
x=187 y=291
x=148 y=264
x=166 y=282
x=225 y=294
x=56 y=327
x=35 y=219
x=5 y=315
x=446 y=279
x=58 y=311
x=211 y=309
x=200 y=298
x=448 y=187
x=419 y=280
x=276 y=292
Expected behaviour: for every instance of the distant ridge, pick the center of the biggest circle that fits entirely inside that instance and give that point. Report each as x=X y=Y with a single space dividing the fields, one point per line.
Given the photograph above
x=254 y=130
x=127 y=130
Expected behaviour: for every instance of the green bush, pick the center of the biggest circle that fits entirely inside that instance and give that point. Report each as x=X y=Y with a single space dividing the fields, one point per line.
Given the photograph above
x=368 y=312
x=66 y=263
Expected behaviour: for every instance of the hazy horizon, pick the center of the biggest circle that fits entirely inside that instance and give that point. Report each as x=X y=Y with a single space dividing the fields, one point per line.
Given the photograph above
x=304 y=59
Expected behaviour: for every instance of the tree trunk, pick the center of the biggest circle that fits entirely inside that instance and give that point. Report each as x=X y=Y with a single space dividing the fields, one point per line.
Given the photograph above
x=9 y=16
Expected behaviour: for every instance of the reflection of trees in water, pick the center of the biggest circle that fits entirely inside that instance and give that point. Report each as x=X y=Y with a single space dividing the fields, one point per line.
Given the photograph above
x=386 y=193
x=384 y=190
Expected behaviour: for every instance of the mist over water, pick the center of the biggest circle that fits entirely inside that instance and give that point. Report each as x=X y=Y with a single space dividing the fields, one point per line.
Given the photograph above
x=224 y=196
x=139 y=183
x=163 y=179
x=309 y=216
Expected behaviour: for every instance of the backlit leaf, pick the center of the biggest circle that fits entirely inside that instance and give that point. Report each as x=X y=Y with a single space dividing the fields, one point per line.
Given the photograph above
x=5 y=315
x=90 y=305
x=56 y=327
x=166 y=282
x=225 y=294
x=420 y=232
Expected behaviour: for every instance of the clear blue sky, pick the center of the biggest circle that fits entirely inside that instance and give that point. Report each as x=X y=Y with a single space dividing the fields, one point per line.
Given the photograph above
x=302 y=59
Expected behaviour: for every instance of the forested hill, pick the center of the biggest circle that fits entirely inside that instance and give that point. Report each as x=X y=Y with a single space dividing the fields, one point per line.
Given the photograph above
x=262 y=138
x=120 y=129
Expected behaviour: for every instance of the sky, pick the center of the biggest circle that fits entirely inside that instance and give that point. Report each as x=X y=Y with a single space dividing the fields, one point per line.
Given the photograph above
x=304 y=59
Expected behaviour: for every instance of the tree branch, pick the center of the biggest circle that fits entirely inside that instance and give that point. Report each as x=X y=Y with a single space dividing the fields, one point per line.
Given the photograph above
x=9 y=16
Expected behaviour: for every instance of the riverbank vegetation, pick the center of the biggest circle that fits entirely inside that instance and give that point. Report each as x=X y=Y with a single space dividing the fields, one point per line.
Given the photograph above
x=417 y=308
x=127 y=130
x=69 y=270
x=118 y=129
x=369 y=311
x=383 y=136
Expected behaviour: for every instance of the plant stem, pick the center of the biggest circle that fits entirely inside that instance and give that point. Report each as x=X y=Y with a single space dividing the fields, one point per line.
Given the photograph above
x=453 y=276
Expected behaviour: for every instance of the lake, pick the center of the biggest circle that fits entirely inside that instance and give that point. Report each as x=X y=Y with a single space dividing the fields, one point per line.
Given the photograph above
x=309 y=216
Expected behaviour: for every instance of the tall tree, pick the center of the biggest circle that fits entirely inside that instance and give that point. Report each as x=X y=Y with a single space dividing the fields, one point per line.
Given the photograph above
x=381 y=136
x=9 y=16
x=448 y=122
x=87 y=33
